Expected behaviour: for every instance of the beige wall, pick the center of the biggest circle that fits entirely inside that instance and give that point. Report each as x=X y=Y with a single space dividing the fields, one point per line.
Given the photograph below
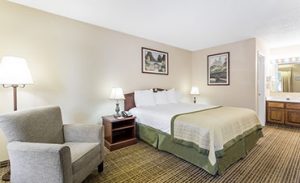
x=242 y=89
x=285 y=52
x=75 y=65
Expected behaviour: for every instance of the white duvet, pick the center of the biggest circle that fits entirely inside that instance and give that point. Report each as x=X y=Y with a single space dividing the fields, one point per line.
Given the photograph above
x=159 y=116
x=211 y=135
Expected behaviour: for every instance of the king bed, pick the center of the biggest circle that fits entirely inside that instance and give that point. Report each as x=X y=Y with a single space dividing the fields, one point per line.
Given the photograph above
x=210 y=137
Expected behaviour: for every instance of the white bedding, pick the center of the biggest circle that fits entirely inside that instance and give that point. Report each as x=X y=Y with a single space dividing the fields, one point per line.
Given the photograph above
x=159 y=116
x=211 y=135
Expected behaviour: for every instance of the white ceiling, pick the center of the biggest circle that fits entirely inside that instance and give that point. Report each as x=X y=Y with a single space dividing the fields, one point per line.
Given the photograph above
x=188 y=24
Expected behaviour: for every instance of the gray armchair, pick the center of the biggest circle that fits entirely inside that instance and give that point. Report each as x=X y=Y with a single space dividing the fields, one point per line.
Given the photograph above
x=42 y=149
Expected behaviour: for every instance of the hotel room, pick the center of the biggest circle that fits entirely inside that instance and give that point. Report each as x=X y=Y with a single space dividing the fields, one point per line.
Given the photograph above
x=149 y=91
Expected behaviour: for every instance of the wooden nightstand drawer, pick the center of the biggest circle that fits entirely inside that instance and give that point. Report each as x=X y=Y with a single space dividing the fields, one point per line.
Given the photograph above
x=119 y=132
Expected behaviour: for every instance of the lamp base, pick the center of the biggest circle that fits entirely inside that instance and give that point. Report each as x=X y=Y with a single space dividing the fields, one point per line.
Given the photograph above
x=117 y=110
x=117 y=115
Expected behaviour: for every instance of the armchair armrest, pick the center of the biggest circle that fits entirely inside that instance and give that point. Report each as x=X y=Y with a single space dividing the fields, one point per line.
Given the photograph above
x=40 y=162
x=83 y=133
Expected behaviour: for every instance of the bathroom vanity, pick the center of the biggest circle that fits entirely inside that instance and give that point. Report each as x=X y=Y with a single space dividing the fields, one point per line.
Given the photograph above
x=285 y=112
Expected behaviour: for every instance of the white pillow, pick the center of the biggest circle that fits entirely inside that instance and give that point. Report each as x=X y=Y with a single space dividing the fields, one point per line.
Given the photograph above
x=179 y=96
x=144 y=98
x=161 y=97
x=172 y=96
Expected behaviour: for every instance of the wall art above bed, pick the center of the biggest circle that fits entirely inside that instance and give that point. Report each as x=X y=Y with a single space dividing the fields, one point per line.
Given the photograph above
x=218 y=69
x=154 y=61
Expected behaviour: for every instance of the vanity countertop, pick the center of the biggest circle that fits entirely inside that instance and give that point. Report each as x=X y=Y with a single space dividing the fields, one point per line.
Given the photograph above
x=287 y=99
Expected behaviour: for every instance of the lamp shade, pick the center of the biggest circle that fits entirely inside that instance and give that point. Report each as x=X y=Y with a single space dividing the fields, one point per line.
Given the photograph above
x=14 y=71
x=117 y=94
x=195 y=90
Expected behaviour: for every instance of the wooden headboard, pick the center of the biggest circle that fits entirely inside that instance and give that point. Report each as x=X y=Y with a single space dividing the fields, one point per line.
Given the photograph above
x=129 y=99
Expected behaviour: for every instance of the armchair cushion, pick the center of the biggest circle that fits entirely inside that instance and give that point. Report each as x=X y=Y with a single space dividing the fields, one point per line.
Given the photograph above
x=82 y=154
x=83 y=133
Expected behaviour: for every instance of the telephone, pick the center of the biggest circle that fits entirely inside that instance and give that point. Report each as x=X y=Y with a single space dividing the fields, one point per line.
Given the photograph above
x=126 y=114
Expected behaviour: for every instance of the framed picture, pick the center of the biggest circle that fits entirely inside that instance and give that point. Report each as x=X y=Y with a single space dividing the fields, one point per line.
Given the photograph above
x=218 y=66
x=154 y=61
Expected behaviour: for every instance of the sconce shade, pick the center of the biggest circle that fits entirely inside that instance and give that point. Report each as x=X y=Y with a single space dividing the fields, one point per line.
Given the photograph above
x=14 y=71
x=117 y=94
x=195 y=90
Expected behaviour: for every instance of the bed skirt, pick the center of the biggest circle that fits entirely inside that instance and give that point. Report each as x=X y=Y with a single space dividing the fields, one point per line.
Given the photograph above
x=232 y=154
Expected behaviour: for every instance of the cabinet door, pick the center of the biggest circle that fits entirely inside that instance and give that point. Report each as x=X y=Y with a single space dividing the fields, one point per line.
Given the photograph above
x=276 y=115
x=292 y=117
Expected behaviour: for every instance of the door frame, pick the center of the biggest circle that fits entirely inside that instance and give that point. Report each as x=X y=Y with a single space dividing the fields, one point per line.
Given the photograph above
x=261 y=87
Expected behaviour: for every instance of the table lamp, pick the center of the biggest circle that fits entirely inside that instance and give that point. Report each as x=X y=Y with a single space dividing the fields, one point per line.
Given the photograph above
x=195 y=91
x=117 y=94
x=14 y=73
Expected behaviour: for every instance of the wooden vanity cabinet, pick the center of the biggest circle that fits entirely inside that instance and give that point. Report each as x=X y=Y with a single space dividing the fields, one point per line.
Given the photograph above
x=283 y=113
x=292 y=114
x=275 y=112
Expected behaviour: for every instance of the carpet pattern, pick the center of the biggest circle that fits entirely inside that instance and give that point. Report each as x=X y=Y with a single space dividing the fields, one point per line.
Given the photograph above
x=275 y=159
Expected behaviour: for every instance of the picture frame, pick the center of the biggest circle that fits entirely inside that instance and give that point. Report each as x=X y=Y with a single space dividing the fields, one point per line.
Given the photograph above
x=218 y=69
x=155 y=61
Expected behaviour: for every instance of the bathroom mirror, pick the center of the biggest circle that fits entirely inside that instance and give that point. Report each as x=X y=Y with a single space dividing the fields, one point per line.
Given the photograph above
x=285 y=77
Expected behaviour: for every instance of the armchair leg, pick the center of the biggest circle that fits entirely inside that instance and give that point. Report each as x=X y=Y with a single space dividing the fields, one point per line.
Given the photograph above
x=100 y=167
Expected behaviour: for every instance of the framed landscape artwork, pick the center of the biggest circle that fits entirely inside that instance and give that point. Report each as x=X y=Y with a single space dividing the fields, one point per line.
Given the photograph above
x=154 y=61
x=218 y=66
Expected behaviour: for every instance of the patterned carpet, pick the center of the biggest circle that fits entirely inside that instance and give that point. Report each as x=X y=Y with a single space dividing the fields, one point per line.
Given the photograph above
x=276 y=158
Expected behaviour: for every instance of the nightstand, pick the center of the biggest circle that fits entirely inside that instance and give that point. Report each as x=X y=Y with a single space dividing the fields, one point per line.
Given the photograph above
x=119 y=133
